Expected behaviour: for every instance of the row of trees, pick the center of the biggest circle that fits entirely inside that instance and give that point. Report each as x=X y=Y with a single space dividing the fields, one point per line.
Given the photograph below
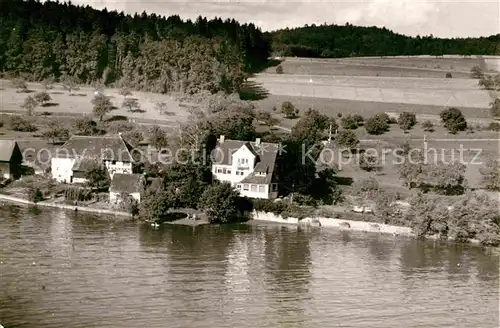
x=343 y=41
x=150 y=52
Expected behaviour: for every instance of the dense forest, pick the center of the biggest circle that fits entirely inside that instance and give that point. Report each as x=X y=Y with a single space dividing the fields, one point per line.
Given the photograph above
x=147 y=52
x=330 y=41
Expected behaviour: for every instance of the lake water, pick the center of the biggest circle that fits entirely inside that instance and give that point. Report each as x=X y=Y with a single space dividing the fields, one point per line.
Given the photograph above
x=72 y=270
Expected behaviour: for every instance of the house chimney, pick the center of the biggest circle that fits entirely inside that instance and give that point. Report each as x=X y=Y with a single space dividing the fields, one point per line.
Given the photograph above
x=257 y=141
x=221 y=139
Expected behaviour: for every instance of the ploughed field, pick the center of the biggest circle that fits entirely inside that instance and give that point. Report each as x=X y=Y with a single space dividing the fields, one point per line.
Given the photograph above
x=407 y=90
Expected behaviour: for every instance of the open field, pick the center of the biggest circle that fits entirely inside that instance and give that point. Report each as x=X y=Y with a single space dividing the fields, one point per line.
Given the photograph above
x=428 y=91
x=420 y=66
x=332 y=107
x=79 y=103
x=477 y=148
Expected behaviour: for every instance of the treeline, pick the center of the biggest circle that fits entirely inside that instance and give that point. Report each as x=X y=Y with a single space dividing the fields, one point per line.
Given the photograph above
x=330 y=41
x=149 y=52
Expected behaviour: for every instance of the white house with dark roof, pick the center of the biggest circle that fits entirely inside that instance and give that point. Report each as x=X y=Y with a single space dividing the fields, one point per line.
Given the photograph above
x=70 y=162
x=248 y=166
x=126 y=184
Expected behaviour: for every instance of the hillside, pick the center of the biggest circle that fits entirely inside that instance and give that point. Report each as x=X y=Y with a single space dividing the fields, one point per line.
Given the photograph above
x=331 y=41
x=147 y=52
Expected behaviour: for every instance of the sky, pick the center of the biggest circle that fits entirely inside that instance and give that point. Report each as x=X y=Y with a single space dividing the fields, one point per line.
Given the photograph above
x=441 y=18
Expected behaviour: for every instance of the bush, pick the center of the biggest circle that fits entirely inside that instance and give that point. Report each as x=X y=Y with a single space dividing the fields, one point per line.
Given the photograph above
x=305 y=200
x=35 y=195
x=289 y=110
x=279 y=69
x=17 y=123
x=77 y=194
x=494 y=126
x=453 y=120
x=428 y=126
x=407 y=120
x=377 y=124
x=448 y=75
x=352 y=122
x=346 y=139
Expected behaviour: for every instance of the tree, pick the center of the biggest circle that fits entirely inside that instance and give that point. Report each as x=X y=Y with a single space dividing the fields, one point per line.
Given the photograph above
x=133 y=137
x=20 y=84
x=131 y=104
x=35 y=195
x=476 y=72
x=311 y=127
x=377 y=124
x=407 y=120
x=161 y=106
x=154 y=205
x=289 y=110
x=279 y=69
x=42 y=97
x=352 y=122
x=97 y=176
x=448 y=75
x=266 y=118
x=17 y=123
x=428 y=126
x=220 y=203
x=453 y=120
x=186 y=182
x=369 y=162
x=366 y=188
x=70 y=83
x=427 y=215
x=129 y=204
x=125 y=92
x=495 y=107
x=85 y=127
x=157 y=137
x=102 y=105
x=475 y=216
x=487 y=82
x=48 y=83
x=56 y=132
x=491 y=175
x=346 y=139
x=30 y=104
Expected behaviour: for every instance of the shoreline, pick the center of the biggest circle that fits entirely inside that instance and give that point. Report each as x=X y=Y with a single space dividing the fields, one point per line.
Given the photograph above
x=257 y=217
x=73 y=208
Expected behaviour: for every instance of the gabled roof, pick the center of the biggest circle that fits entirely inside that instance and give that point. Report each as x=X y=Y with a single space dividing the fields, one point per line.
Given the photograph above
x=111 y=148
x=266 y=155
x=6 y=149
x=127 y=183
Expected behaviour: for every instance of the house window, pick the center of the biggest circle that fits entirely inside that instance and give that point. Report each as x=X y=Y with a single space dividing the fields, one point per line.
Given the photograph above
x=228 y=172
x=238 y=186
x=253 y=188
x=223 y=171
x=262 y=188
x=219 y=170
x=242 y=160
x=113 y=162
x=275 y=187
x=245 y=187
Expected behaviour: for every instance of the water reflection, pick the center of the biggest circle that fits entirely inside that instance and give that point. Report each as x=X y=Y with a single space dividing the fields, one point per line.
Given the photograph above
x=288 y=261
x=93 y=271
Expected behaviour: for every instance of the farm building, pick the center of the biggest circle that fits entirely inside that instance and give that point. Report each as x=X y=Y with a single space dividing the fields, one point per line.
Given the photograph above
x=70 y=162
x=11 y=159
x=126 y=184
